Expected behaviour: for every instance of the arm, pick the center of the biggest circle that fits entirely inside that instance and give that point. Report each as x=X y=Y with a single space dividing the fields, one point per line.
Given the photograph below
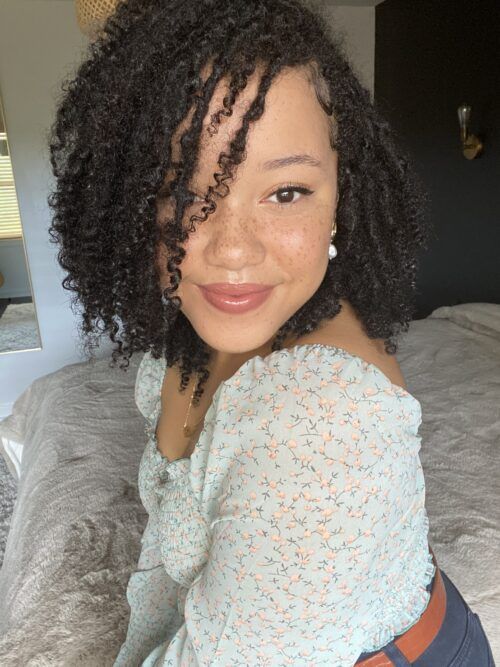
x=302 y=549
x=152 y=597
x=151 y=593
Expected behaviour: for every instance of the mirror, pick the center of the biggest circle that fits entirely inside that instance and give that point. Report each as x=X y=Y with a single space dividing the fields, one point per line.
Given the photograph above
x=19 y=329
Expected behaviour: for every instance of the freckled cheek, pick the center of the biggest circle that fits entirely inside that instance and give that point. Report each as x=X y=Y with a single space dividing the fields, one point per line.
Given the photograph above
x=302 y=245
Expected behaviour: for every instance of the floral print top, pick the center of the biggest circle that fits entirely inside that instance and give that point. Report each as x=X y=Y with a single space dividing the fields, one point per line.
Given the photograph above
x=296 y=533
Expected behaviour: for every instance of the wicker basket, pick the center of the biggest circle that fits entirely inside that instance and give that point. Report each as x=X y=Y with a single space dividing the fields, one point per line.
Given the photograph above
x=92 y=14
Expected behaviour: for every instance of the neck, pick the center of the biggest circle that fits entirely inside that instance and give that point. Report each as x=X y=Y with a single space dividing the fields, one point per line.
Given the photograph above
x=225 y=364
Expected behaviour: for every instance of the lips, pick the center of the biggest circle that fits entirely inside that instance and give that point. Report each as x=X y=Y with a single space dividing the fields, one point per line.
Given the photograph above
x=236 y=298
x=236 y=289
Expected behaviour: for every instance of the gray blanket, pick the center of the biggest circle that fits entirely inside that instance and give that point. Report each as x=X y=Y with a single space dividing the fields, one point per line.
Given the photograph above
x=77 y=522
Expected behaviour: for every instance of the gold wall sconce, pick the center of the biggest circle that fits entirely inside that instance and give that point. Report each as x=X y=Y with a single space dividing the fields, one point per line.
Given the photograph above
x=471 y=145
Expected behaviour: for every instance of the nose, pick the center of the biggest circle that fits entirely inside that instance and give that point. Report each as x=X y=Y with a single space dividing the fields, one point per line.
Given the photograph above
x=232 y=238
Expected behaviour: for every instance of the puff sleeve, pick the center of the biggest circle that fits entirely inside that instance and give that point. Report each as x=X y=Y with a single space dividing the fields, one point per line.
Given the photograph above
x=151 y=593
x=152 y=597
x=318 y=548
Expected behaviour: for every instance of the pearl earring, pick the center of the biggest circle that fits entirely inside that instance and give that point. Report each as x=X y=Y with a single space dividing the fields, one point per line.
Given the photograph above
x=332 y=250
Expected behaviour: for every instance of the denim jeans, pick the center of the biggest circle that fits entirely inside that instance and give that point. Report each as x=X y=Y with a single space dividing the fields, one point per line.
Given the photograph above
x=460 y=642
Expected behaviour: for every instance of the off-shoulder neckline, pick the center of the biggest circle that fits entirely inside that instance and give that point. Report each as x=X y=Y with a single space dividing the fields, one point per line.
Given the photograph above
x=339 y=351
x=309 y=347
x=305 y=347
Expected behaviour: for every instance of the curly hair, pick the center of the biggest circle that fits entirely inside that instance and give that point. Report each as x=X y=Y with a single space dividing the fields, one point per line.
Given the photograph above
x=110 y=150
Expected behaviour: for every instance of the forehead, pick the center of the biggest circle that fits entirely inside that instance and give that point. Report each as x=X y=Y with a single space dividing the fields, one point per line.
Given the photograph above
x=292 y=121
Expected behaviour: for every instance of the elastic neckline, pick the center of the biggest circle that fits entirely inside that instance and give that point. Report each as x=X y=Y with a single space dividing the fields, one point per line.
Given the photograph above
x=368 y=364
x=306 y=347
x=310 y=347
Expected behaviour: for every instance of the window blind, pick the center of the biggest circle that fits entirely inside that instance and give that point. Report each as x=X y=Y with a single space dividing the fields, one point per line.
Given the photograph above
x=10 y=220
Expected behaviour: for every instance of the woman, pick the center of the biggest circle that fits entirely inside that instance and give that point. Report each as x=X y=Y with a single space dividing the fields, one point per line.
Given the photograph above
x=281 y=476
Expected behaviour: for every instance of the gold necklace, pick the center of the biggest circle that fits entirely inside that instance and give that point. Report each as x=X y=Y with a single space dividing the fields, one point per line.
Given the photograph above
x=189 y=431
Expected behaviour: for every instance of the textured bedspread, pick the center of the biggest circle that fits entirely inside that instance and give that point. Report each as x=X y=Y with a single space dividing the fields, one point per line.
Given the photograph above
x=75 y=532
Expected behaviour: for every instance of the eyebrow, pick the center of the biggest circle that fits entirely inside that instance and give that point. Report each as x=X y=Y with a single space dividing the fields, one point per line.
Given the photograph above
x=289 y=160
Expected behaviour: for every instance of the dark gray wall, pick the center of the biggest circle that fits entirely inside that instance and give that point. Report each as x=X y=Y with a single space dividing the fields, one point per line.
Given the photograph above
x=431 y=56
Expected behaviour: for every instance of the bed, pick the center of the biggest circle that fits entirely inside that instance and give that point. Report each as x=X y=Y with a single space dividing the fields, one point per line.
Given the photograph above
x=75 y=438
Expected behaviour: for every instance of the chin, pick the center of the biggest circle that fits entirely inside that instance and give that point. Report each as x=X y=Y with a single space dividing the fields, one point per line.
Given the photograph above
x=244 y=342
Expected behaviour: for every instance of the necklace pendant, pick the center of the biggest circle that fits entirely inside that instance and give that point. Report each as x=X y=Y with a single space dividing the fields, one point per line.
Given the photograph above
x=187 y=430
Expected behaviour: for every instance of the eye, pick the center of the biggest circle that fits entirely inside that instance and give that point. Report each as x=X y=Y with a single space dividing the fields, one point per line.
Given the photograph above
x=165 y=193
x=286 y=193
x=194 y=197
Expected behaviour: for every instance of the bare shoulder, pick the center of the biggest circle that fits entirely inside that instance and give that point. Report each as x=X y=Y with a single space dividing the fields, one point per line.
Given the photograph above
x=346 y=331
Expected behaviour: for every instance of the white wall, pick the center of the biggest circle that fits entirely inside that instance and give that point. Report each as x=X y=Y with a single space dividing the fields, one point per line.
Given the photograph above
x=39 y=43
x=357 y=26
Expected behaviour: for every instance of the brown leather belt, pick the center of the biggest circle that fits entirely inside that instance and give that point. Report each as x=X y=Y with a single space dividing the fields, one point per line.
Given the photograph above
x=416 y=639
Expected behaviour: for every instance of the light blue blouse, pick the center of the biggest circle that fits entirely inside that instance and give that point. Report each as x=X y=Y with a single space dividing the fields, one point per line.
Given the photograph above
x=296 y=533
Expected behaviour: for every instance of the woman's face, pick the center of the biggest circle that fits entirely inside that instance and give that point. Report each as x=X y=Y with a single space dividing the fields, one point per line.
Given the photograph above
x=264 y=231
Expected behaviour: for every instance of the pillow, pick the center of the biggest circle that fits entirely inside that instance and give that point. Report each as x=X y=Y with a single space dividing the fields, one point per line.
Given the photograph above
x=12 y=452
x=482 y=318
x=13 y=430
